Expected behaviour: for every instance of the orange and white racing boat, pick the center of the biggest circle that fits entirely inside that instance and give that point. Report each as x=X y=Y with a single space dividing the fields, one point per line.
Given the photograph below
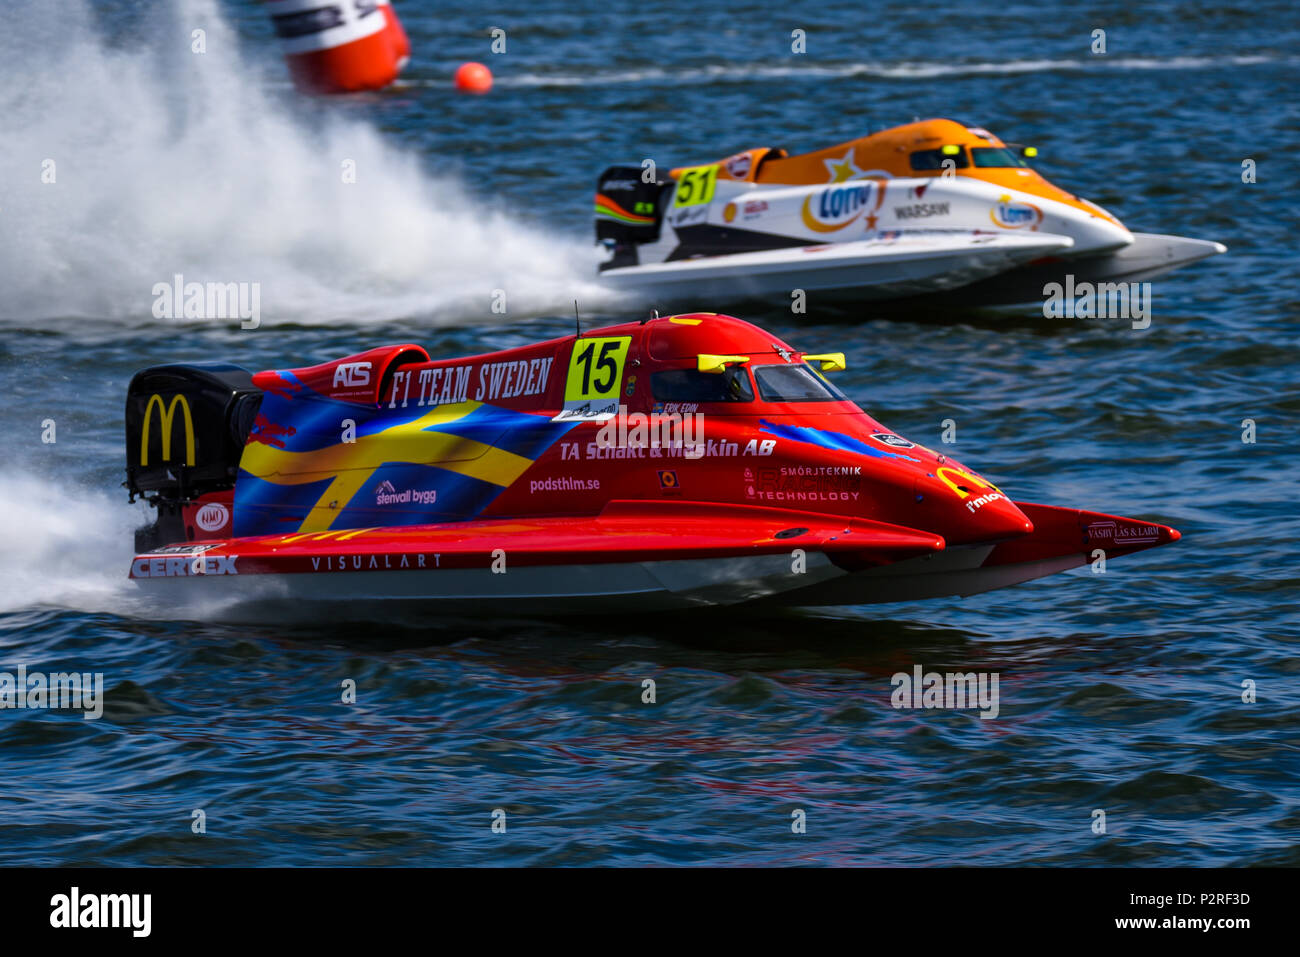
x=917 y=210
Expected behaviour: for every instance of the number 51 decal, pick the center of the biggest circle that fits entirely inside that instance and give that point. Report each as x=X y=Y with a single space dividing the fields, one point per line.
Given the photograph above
x=695 y=186
x=595 y=375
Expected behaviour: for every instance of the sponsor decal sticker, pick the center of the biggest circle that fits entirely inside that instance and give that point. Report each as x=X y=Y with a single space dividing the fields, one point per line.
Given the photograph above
x=387 y=494
x=563 y=483
x=695 y=186
x=961 y=481
x=1123 y=534
x=680 y=408
x=595 y=373
x=978 y=503
x=690 y=216
x=897 y=441
x=181 y=567
x=1010 y=214
x=165 y=415
x=351 y=375
x=738 y=166
x=921 y=210
x=836 y=207
x=804 y=484
x=365 y=563
x=212 y=517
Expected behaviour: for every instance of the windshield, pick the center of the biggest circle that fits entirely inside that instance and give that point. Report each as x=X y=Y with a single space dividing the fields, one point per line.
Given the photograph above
x=691 y=385
x=781 y=382
x=990 y=156
x=933 y=159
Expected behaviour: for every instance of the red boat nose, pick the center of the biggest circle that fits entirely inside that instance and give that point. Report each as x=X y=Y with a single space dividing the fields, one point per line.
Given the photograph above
x=969 y=514
x=996 y=516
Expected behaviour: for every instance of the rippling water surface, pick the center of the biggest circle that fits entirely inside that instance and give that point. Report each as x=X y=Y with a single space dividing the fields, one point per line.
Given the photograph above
x=1119 y=692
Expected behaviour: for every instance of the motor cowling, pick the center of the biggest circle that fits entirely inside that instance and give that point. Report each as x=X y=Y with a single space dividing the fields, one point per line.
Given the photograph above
x=629 y=211
x=186 y=427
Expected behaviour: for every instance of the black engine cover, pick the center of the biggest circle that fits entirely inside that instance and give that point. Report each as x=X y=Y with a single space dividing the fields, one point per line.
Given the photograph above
x=186 y=426
x=623 y=187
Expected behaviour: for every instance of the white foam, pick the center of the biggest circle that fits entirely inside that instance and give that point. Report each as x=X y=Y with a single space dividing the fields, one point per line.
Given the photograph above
x=906 y=70
x=64 y=545
x=169 y=161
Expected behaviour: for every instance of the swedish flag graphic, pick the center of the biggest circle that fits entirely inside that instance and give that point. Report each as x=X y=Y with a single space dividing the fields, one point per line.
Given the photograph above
x=315 y=464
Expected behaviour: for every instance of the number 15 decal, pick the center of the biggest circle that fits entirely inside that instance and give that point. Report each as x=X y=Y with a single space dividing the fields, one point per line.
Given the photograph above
x=595 y=375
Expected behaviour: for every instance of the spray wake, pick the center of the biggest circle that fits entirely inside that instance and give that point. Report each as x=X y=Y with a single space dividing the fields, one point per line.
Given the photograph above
x=167 y=161
x=69 y=546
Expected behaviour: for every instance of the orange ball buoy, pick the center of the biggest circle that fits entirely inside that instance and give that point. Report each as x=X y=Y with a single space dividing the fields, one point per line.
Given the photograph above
x=473 y=78
x=340 y=47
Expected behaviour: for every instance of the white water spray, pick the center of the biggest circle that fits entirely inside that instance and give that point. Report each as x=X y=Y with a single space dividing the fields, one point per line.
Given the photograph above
x=166 y=161
x=68 y=546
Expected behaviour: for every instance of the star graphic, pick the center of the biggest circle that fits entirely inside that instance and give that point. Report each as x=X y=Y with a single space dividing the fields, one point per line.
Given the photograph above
x=871 y=223
x=842 y=168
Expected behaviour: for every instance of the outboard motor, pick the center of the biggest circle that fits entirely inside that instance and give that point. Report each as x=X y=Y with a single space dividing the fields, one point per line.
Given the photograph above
x=628 y=212
x=186 y=426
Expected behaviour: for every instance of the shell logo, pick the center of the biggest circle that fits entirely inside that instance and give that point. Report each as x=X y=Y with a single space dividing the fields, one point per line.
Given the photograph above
x=729 y=212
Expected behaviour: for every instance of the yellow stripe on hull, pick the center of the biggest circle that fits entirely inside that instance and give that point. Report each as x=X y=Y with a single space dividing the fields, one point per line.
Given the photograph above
x=350 y=465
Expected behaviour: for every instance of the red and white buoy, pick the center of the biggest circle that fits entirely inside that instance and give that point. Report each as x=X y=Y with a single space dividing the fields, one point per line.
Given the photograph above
x=401 y=42
x=340 y=46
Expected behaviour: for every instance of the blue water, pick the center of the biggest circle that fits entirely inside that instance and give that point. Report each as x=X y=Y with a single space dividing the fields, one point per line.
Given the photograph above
x=1119 y=692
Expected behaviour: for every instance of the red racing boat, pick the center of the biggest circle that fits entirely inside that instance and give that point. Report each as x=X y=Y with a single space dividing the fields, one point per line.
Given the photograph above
x=672 y=463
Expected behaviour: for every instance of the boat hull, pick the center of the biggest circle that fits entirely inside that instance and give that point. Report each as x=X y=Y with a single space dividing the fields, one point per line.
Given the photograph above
x=1151 y=255
x=597 y=568
x=866 y=270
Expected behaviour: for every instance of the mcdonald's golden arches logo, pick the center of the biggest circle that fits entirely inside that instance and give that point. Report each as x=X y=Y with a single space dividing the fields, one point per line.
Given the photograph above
x=944 y=471
x=165 y=415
